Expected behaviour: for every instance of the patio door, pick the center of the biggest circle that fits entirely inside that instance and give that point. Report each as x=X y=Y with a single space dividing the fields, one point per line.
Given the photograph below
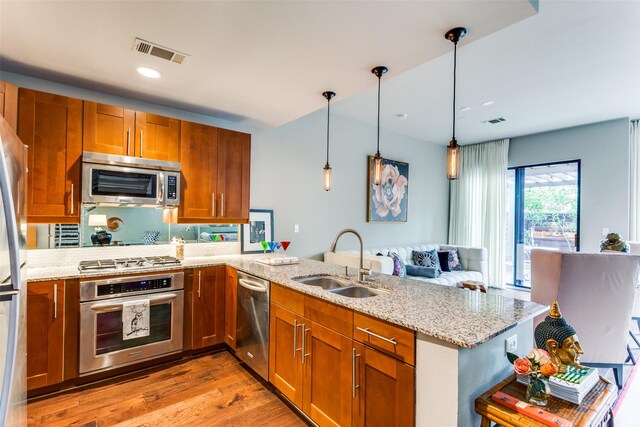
x=543 y=211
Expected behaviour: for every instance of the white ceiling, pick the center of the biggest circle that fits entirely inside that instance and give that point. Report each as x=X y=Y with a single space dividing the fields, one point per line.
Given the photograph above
x=572 y=63
x=255 y=62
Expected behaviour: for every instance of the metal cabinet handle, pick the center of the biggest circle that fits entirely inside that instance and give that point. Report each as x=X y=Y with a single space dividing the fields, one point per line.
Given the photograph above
x=304 y=343
x=72 y=207
x=128 y=141
x=295 y=337
x=221 y=204
x=199 y=282
x=353 y=373
x=367 y=331
x=55 y=300
x=140 y=142
x=213 y=204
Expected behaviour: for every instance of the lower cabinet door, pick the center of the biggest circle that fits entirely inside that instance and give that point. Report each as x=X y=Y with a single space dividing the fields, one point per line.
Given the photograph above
x=328 y=365
x=285 y=366
x=385 y=390
x=230 y=302
x=208 y=306
x=45 y=333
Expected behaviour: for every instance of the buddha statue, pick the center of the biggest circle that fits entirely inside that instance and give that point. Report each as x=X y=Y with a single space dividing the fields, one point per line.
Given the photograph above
x=559 y=339
x=614 y=243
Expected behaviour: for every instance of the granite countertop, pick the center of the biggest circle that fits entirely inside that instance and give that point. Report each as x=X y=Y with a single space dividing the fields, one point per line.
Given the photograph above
x=461 y=317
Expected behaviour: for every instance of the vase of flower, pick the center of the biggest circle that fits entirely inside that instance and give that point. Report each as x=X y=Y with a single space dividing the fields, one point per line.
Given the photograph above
x=538 y=390
x=538 y=367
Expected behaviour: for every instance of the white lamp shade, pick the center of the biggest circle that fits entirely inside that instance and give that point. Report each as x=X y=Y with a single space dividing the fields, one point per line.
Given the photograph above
x=97 y=220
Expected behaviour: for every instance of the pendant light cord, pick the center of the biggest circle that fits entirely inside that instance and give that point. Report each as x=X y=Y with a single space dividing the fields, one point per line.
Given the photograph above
x=455 y=46
x=378 y=147
x=328 y=118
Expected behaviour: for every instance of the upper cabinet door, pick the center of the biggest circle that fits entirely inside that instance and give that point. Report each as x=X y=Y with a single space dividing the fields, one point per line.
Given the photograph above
x=51 y=126
x=157 y=137
x=9 y=104
x=108 y=129
x=234 y=165
x=198 y=154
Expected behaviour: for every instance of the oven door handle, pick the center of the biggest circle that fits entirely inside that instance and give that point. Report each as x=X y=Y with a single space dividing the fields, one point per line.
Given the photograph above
x=106 y=307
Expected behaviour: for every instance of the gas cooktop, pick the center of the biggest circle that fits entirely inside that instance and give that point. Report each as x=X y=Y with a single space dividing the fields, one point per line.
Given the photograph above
x=127 y=263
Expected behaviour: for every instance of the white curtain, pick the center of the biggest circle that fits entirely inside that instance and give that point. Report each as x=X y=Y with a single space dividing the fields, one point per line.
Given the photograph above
x=477 y=203
x=634 y=198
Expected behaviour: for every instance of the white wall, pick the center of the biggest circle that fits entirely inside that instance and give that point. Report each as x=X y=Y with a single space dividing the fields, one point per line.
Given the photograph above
x=603 y=149
x=286 y=174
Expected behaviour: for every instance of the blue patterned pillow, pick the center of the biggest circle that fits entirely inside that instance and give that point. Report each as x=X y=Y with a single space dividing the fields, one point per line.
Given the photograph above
x=399 y=266
x=427 y=259
x=416 y=270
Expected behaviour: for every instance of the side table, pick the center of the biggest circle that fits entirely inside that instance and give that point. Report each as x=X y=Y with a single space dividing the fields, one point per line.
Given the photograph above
x=594 y=410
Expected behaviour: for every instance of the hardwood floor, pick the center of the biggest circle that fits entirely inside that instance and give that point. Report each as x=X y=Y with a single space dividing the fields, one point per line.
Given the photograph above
x=212 y=390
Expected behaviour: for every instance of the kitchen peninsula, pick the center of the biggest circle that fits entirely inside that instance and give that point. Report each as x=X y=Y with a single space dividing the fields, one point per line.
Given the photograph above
x=459 y=345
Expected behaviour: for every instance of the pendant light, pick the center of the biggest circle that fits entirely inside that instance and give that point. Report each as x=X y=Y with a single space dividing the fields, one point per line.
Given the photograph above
x=377 y=159
x=453 y=151
x=326 y=179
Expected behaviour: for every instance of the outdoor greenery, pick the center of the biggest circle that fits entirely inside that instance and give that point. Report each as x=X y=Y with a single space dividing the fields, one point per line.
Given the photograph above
x=551 y=208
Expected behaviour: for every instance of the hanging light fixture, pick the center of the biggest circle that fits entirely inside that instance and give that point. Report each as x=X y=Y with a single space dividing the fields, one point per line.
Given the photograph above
x=377 y=159
x=326 y=179
x=453 y=151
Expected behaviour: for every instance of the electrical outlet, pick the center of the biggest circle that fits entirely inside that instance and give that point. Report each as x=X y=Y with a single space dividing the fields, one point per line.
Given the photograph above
x=296 y=228
x=511 y=344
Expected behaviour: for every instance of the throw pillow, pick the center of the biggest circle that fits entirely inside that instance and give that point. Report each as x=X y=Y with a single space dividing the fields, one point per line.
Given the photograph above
x=427 y=259
x=417 y=270
x=443 y=258
x=399 y=266
x=454 y=260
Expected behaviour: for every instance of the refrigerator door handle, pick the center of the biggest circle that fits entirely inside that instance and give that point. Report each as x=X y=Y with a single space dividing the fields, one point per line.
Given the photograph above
x=11 y=221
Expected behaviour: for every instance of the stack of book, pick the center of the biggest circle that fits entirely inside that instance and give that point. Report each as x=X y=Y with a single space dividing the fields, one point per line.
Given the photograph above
x=572 y=385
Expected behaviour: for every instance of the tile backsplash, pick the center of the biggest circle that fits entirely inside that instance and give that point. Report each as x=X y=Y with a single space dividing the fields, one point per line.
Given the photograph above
x=72 y=256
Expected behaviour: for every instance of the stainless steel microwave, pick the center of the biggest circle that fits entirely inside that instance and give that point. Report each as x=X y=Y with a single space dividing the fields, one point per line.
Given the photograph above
x=110 y=180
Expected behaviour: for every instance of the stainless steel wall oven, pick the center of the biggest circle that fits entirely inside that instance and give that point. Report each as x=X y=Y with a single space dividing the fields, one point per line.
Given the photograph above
x=104 y=344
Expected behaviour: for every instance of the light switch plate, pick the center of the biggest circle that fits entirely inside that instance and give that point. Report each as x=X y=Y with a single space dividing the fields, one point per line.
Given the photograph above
x=511 y=344
x=296 y=228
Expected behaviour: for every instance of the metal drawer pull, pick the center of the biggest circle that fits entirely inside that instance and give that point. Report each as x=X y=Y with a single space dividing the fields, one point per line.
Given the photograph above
x=140 y=142
x=222 y=204
x=295 y=338
x=55 y=301
x=199 y=282
x=72 y=207
x=353 y=373
x=213 y=204
x=304 y=344
x=128 y=141
x=367 y=331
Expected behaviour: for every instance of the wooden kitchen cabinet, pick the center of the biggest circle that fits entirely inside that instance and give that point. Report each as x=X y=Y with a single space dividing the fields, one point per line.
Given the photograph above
x=208 y=320
x=45 y=333
x=115 y=130
x=230 y=303
x=215 y=166
x=385 y=389
x=285 y=367
x=9 y=104
x=51 y=126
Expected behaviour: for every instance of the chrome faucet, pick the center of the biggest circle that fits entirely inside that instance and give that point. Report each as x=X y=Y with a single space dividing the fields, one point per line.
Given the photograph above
x=362 y=272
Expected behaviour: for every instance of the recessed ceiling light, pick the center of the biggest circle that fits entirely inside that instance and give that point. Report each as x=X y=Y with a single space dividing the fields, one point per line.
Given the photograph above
x=465 y=108
x=402 y=116
x=487 y=103
x=149 y=72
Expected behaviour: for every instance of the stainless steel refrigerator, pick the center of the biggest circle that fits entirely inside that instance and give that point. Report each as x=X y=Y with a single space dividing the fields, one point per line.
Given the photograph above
x=13 y=284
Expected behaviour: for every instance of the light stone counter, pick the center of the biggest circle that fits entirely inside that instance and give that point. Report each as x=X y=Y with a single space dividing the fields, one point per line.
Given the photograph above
x=460 y=317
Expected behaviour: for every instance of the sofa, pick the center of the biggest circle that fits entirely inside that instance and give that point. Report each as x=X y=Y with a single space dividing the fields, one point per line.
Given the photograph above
x=472 y=259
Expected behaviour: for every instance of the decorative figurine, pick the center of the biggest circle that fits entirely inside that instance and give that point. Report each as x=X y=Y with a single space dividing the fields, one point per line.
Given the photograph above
x=614 y=243
x=559 y=339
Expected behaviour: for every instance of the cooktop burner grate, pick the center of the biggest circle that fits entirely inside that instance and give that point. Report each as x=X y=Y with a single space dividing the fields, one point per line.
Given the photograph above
x=127 y=263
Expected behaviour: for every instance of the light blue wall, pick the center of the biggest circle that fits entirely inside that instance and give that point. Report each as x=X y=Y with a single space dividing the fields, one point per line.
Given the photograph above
x=603 y=149
x=286 y=174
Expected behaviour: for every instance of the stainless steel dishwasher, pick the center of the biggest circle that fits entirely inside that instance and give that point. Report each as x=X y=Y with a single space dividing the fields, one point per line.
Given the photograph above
x=252 y=323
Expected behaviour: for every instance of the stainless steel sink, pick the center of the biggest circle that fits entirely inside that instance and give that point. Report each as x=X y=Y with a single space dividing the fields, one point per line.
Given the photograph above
x=324 y=282
x=358 y=292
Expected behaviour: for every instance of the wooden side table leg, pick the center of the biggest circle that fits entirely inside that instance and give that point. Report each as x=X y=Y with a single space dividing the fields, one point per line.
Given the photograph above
x=486 y=422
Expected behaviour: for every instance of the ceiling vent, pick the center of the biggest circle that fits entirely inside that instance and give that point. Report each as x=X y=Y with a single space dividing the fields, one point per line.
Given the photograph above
x=495 y=121
x=148 y=48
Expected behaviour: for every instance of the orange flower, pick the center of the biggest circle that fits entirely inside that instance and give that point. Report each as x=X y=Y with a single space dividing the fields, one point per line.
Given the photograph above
x=522 y=366
x=548 y=369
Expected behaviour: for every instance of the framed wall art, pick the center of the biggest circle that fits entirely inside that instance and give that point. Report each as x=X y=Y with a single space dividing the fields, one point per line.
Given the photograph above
x=389 y=200
x=259 y=229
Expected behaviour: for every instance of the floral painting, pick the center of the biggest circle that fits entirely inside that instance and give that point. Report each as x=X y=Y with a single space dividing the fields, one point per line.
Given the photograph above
x=389 y=200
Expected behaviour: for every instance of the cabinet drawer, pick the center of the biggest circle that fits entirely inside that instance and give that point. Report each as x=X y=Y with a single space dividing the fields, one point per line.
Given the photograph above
x=390 y=339
x=287 y=298
x=332 y=316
